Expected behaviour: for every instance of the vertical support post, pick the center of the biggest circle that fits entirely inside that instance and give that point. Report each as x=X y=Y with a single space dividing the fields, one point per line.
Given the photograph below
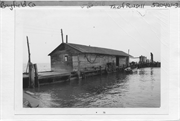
x=66 y=38
x=78 y=72
x=62 y=36
x=100 y=70
x=31 y=75
x=128 y=58
x=29 y=54
x=36 y=76
x=127 y=61
x=152 y=58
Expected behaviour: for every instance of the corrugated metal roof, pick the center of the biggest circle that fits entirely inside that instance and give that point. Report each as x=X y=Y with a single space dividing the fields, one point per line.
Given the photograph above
x=95 y=50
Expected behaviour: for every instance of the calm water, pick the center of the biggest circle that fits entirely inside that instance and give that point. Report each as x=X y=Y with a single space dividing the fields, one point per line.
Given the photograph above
x=140 y=89
x=40 y=66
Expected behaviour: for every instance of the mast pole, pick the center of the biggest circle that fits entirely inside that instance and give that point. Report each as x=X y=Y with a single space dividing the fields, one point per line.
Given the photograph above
x=30 y=65
x=62 y=36
x=29 y=54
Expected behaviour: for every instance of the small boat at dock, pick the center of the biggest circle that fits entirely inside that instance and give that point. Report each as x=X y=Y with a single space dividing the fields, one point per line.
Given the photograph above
x=130 y=70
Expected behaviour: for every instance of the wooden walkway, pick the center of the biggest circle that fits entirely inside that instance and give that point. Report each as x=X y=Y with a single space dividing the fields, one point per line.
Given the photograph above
x=48 y=74
x=55 y=77
x=47 y=77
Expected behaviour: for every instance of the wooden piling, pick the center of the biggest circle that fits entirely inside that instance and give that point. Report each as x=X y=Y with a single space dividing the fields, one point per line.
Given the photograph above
x=62 y=36
x=66 y=38
x=30 y=65
x=78 y=72
x=30 y=79
x=36 y=76
x=151 y=57
x=31 y=76
x=100 y=70
x=29 y=54
x=83 y=74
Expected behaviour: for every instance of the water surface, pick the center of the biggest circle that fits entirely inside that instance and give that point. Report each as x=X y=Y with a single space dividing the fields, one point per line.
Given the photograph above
x=139 y=90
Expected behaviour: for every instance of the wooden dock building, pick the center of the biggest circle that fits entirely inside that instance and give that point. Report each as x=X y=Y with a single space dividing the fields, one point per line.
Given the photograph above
x=69 y=61
x=69 y=57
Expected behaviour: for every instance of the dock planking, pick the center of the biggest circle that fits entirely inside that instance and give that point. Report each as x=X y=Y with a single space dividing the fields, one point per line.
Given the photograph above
x=61 y=76
x=43 y=75
x=47 y=77
x=48 y=74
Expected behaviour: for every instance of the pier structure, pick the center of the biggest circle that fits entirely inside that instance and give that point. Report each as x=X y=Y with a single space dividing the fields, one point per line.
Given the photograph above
x=81 y=59
x=69 y=61
x=50 y=77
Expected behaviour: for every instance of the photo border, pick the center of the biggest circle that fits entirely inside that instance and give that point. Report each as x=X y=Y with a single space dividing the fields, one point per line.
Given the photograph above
x=166 y=71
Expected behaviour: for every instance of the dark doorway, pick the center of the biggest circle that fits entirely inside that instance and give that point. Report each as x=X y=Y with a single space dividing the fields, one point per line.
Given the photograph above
x=117 y=61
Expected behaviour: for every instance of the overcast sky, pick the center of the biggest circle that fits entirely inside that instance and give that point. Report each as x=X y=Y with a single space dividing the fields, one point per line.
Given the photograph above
x=139 y=31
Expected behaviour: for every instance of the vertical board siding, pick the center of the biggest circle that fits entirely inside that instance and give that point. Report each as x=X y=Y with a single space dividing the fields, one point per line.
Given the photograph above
x=122 y=61
x=58 y=62
x=92 y=60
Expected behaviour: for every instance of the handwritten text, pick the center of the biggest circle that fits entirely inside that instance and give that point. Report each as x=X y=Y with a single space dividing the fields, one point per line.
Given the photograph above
x=15 y=4
x=153 y=5
x=127 y=5
x=156 y=4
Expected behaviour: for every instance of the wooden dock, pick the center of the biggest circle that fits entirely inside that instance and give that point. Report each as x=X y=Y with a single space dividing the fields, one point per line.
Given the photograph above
x=47 y=78
x=79 y=61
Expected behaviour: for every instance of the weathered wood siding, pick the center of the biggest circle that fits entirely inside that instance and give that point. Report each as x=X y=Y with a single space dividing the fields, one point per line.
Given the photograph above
x=58 y=62
x=122 y=61
x=92 y=60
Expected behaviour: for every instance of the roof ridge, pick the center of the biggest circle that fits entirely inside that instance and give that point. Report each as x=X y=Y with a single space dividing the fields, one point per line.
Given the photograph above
x=95 y=47
x=94 y=50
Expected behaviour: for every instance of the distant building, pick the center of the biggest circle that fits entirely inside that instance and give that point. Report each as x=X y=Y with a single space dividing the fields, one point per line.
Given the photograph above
x=69 y=57
x=134 y=59
x=147 y=61
x=142 y=59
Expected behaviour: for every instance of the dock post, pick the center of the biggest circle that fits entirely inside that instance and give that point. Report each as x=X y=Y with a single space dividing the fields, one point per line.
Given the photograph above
x=78 y=72
x=30 y=70
x=62 y=36
x=31 y=75
x=83 y=75
x=31 y=67
x=100 y=70
x=36 y=76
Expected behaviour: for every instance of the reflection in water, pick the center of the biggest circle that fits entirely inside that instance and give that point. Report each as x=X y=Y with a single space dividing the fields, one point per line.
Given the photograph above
x=140 y=89
x=151 y=71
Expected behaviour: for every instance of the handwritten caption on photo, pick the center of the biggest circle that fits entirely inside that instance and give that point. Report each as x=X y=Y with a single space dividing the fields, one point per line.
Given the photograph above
x=153 y=5
x=15 y=4
x=19 y=4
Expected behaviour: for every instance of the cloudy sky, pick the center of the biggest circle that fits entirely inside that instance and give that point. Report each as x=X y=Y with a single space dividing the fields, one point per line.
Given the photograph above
x=140 y=31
